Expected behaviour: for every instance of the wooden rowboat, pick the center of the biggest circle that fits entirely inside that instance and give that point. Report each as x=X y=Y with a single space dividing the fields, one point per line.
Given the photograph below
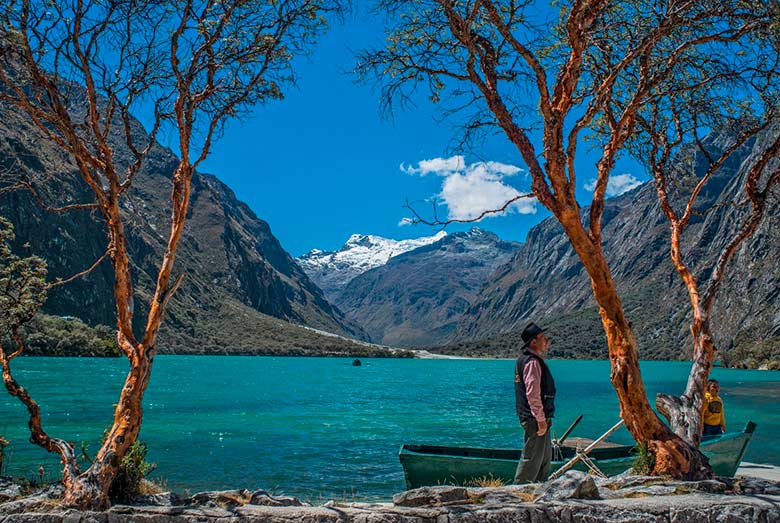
x=427 y=465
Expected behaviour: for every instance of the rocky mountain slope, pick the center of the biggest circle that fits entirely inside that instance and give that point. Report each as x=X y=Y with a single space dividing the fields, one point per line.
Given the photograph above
x=417 y=298
x=332 y=270
x=239 y=281
x=546 y=283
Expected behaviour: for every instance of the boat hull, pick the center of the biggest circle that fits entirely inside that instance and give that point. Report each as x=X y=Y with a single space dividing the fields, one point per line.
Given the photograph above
x=427 y=465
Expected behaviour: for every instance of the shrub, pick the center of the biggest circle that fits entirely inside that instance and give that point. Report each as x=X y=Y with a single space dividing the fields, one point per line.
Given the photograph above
x=66 y=336
x=129 y=482
x=644 y=462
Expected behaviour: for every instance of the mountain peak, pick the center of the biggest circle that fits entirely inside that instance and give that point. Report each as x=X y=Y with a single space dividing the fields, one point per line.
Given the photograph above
x=313 y=252
x=416 y=299
x=361 y=252
x=362 y=240
x=476 y=232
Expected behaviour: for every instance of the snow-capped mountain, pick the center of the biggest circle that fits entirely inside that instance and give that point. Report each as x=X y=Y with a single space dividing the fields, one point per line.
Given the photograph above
x=416 y=299
x=331 y=271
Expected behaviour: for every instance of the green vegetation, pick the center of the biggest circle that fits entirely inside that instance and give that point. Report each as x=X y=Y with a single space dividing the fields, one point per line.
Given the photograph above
x=565 y=331
x=754 y=354
x=232 y=328
x=131 y=482
x=65 y=336
x=23 y=285
x=579 y=335
x=645 y=460
x=224 y=332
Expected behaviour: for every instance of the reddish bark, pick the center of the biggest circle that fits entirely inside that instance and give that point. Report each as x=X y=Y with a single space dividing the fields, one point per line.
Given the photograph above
x=38 y=436
x=674 y=457
x=221 y=58
x=685 y=412
x=92 y=488
x=678 y=459
x=617 y=99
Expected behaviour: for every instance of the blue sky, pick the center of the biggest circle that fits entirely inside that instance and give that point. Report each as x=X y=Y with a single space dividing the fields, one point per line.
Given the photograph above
x=324 y=164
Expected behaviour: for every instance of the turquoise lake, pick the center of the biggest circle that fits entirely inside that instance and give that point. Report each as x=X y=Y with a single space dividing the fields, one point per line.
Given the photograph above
x=319 y=428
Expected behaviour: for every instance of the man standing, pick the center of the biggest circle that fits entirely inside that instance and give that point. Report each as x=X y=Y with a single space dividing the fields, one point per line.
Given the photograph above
x=535 y=403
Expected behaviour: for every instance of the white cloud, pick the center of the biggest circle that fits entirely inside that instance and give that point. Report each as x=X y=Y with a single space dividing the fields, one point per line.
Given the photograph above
x=439 y=166
x=469 y=190
x=405 y=221
x=499 y=168
x=618 y=184
x=455 y=164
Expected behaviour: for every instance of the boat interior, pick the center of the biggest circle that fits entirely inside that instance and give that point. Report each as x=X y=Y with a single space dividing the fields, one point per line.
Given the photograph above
x=564 y=452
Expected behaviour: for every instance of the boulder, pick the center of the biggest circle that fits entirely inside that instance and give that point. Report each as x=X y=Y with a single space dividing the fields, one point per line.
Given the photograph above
x=9 y=489
x=42 y=499
x=261 y=497
x=753 y=486
x=574 y=484
x=627 y=479
x=162 y=499
x=712 y=486
x=219 y=498
x=234 y=498
x=641 y=491
x=432 y=497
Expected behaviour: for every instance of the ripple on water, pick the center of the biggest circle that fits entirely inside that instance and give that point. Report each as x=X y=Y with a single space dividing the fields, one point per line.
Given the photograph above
x=314 y=428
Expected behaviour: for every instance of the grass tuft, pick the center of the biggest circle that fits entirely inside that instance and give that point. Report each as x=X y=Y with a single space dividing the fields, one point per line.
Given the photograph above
x=644 y=462
x=486 y=481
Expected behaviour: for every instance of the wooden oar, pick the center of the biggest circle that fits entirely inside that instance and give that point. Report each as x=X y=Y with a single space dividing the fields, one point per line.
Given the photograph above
x=585 y=452
x=560 y=440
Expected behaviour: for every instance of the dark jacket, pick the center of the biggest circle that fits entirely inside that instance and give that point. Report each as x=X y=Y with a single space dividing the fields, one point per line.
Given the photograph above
x=547 y=388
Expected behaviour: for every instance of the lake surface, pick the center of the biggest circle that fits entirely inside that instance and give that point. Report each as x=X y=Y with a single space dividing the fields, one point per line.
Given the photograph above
x=319 y=428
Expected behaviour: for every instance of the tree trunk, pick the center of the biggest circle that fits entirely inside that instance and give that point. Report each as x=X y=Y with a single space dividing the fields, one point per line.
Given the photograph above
x=673 y=456
x=38 y=436
x=91 y=491
x=685 y=412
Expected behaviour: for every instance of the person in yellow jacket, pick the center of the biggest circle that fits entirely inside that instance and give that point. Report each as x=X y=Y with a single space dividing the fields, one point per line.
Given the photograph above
x=713 y=418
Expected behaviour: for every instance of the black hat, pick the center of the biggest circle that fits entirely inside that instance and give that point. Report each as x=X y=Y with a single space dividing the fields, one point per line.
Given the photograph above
x=530 y=332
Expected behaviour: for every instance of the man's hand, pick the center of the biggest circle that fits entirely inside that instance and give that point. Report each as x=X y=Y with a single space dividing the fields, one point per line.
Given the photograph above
x=542 y=430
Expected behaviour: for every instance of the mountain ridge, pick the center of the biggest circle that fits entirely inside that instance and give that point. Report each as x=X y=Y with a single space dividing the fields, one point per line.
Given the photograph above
x=332 y=270
x=416 y=298
x=230 y=258
x=546 y=283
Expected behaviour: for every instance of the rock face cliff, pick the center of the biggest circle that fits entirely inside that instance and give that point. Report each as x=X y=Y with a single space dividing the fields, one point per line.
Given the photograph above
x=546 y=283
x=238 y=278
x=416 y=298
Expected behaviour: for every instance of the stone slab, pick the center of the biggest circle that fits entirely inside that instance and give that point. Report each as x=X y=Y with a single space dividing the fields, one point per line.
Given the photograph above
x=625 y=499
x=687 y=508
x=759 y=470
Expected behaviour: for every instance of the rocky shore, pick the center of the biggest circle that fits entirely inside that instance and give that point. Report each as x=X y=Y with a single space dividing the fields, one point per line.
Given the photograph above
x=575 y=497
